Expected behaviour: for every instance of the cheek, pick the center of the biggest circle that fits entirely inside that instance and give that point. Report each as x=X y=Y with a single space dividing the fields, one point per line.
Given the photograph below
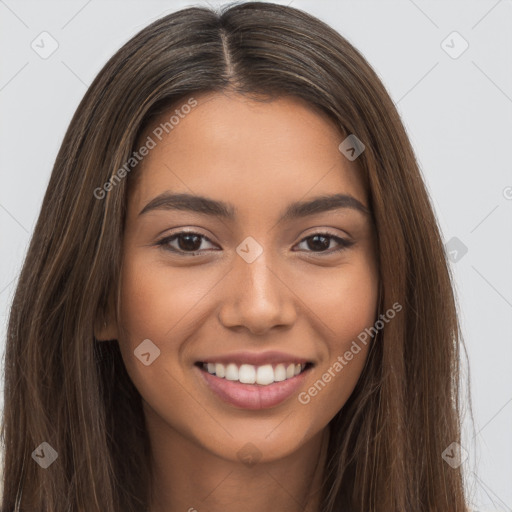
x=346 y=304
x=155 y=298
x=343 y=300
x=155 y=303
x=353 y=302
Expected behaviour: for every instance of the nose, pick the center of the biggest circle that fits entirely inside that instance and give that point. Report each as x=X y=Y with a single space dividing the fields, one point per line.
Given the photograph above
x=257 y=297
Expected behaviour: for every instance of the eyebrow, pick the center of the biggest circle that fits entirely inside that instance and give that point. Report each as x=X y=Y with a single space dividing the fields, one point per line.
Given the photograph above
x=207 y=206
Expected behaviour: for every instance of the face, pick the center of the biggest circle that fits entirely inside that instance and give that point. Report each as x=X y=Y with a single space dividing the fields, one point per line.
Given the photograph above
x=232 y=281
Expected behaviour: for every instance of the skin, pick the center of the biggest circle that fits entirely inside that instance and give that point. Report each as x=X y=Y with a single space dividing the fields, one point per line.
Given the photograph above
x=293 y=298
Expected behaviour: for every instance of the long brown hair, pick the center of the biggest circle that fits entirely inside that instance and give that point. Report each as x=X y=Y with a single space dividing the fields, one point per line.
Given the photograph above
x=65 y=388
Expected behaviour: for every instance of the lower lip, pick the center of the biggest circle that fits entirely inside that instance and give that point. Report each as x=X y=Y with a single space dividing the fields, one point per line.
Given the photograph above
x=253 y=396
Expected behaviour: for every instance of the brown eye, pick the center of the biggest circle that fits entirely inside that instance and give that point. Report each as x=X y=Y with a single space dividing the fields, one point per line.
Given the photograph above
x=184 y=242
x=321 y=242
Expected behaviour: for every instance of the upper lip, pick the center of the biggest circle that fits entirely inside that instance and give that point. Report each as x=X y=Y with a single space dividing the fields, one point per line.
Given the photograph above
x=255 y=358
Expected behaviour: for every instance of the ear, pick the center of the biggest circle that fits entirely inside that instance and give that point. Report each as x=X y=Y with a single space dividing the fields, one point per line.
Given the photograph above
x=105 y=327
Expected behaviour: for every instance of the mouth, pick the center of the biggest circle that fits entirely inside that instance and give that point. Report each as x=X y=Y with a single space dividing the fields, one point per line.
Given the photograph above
x=263 y=375
x=249 y=386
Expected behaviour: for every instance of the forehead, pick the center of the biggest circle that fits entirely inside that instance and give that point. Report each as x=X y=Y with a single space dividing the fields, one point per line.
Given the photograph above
x=253 y=154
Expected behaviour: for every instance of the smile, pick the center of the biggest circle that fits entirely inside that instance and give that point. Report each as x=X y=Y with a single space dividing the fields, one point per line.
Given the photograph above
x=248 y=386
x=250 y=374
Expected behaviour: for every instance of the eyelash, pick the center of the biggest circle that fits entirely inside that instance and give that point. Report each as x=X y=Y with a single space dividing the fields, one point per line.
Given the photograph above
x=164 y=243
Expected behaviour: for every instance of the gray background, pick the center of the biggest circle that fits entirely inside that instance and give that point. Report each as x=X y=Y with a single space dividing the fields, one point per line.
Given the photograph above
x=457 y=112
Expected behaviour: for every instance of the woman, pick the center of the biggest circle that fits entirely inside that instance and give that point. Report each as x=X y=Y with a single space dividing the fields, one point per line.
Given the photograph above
x=236 y=296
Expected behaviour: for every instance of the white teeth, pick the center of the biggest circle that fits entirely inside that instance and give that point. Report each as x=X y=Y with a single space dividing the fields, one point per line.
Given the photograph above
x=250 y=374
x=220 y=371
x=279 y=373
x=232 y=372
x=265 y=375
x=247 y=374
